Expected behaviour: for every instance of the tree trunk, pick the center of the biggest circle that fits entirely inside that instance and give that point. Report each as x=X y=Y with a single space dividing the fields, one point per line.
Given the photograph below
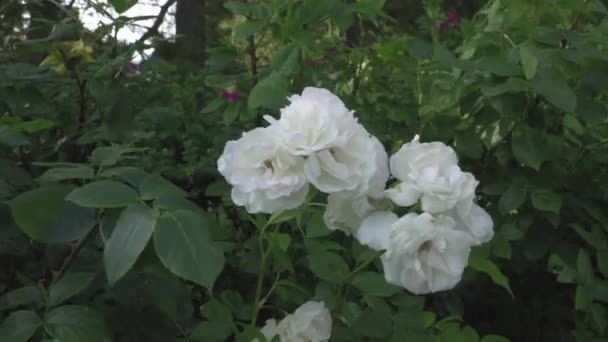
x=191 y=30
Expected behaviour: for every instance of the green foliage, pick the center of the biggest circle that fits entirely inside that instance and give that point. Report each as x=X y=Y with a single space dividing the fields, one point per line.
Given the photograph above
x=115 y=224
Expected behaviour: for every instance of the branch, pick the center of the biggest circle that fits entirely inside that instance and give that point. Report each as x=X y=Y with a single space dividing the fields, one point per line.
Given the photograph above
x=153 y=30
x=253 y=60
x=579 y=17
x=73 y=253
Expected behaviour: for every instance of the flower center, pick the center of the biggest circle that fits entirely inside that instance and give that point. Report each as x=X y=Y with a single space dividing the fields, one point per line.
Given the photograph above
x=268 y=165
x=425 y=247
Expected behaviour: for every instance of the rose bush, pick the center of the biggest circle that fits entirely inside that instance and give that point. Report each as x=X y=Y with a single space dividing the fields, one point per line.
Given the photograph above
x=439 y=174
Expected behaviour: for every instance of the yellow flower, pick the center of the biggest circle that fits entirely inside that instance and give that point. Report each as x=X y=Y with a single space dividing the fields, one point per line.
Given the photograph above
x=55 y=61
x=79 y=50
x=71 y=53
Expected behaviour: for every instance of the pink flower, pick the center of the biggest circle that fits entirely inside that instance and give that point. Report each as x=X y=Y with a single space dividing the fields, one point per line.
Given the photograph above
x=314 y=61
x=230 y=96
x=452 y=17
x=132 y=68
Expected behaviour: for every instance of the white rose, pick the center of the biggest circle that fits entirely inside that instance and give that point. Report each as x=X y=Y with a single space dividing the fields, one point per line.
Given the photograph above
x=311 y=322
x=430 y=172
x=357 y=165
x=346 y=210
x=475 y=221
x=425 y=253
x=265 y=177
x=313 y=121
x=377 y=183
x=375 y=230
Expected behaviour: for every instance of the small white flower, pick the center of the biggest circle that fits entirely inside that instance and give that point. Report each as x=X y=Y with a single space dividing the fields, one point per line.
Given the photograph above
x=313 y=121
x=429 y=172
x=424 y=253
x=311 y=322
x=265 y=177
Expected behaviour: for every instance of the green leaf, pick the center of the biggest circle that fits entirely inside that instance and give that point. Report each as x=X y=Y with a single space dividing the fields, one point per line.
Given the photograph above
x=104 y=194
x=529 y=62
x=600 y=316
x=583 y=267
x=248 y=29
x=511 y=85
x=556 y=90
x=216 y=311
x=270 y=92
x=64 y=173
x=212 y=332
x=420 y=49
x=486 y=266
x=414 y=320
x=373 y=324
x=69 y=224
x=122 y=5
x=232 y=112
x=547 y=201
x=183 y=244
x=602 y=262
x=314 y=10
x=154 y=187
x=529 y=147
x=583 y=297
x=11 y=137
x=133 y=230
x=328 y=266
x=237 y=7
x=284 y=215
x=110 y=155
x=373 y=284
x=286 y=59
x=69 y=285
x=19 y=326
x=494 y=338
x=316 y=227
x=23 y=296
x=73 y=323
x=513 y=198
x=35 y=209
x=34 y=126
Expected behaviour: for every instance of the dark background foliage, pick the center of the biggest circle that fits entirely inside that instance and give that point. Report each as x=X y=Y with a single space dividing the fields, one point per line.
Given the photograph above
x=518 y=88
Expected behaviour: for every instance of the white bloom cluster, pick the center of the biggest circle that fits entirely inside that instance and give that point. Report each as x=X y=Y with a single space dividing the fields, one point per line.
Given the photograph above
x=317 y=141
x=311 y=322
x=427 y=252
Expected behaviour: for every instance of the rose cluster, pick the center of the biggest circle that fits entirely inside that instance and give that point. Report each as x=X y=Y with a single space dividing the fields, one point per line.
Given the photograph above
x=317 y=141
x=427 y=252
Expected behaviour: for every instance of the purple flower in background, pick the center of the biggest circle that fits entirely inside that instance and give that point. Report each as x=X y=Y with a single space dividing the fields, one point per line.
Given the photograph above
x=402 y=82
x=314 y=61
x=452 y=17
x=132 y=68
x=450 y=22
x=230 y=96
